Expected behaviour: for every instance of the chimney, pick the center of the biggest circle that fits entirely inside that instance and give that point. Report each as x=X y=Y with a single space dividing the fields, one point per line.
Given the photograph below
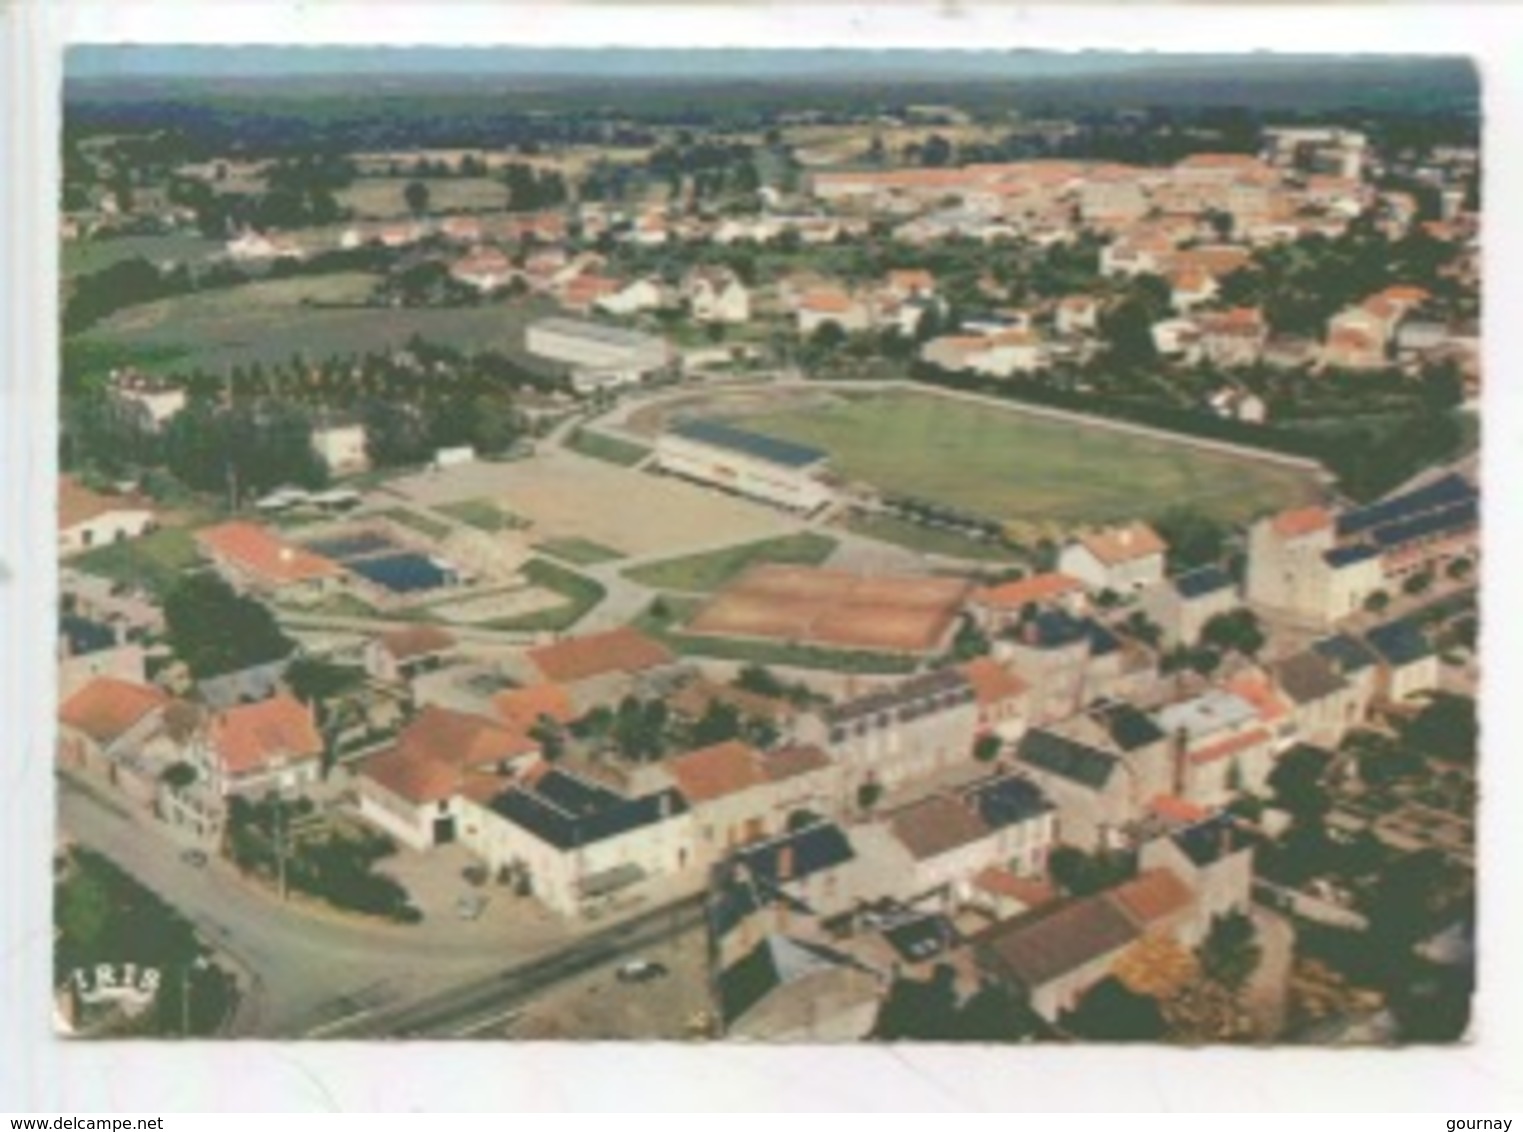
x=785 y=863
x=1181 y=772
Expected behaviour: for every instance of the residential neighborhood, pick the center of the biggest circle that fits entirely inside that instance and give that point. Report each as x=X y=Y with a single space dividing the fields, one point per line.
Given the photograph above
x=805 y=566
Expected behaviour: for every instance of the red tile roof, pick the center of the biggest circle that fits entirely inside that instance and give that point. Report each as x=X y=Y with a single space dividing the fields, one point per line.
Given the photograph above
x=250 y=736
x=718 y=771
x=625 y=650
x=1302 y=521
x=78 y=504
x=1151 y=897
x=1023 y=591
x=992 y=682
x=1258 y=691
x=1230 y=746
x=523 y=707
x=1030 y=891
x=444 y=752
x=935 y=825
x=106 y=708
x=253 y=549
x=1175 y=809
x=1116 y=545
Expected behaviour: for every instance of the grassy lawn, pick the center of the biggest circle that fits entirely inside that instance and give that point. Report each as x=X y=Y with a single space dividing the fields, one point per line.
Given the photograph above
x=383 y=198
x=82 y=257
x=483 y=514
x=581 y=594
x=601 y=446
x=267 y=322
x=1022 y=468
x=336 y=605
x=902 y=532
x=701 y=573
x=579 y=551
x=430 y=528
x=155 y=561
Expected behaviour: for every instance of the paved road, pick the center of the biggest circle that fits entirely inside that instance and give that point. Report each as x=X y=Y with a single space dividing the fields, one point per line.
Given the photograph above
x=301 y=961
x=464 y=1010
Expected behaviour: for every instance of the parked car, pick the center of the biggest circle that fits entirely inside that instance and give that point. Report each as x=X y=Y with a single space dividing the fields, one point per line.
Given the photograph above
x=195 y=858
x=471 y=907
x=641 y=971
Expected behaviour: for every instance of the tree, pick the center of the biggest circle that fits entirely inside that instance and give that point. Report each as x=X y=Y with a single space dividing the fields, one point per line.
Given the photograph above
x=986 y=748
x=1418 y=583
x=1238 y=630
x=1194 y=539
x=1460 y=569
x=178 y=775
x=1109 y=1012
x=869 y=794
x=1082 y=874
x=551 y=739
x=1230 y=952
x=1444 y=729
x=416 y=195
x=214 y=630
x=1377 y=602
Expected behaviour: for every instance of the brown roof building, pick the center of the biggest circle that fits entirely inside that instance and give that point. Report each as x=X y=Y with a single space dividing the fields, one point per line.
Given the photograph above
x=623 y=651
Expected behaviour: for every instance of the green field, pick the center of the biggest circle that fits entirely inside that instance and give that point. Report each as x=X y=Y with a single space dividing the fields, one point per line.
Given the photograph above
x=581 y=594
x=1026 y=469
x=383 y=198
x=579 y=551
x=913 y=536
x=702 y=573
x=155 y=562
x=483 y=514
x=601 y=446
x=267 y=322
x=429 y=528
x=81 y=257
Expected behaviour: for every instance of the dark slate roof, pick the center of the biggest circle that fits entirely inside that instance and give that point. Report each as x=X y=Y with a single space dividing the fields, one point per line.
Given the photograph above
x=1054 y=629
x=944 y=688
x=584 y=814
x=1341 y=556
x=1307 y=677
x=1446 y=520
x=1400 y=642
x=720 y=435
x=1066 y=758
x=1350 y=654
x=1202 y=582
x=821 y=846
x=1208 y=842
x=735 y=896
x=1129 y=727
x=922 y=938
x=774 y=962
x=1006 y=800
x=85 y=636
x=1102 y=642
x=1444 y=492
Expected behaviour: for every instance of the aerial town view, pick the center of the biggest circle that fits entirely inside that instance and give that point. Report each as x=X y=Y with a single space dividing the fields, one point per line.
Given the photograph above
x=758 y=546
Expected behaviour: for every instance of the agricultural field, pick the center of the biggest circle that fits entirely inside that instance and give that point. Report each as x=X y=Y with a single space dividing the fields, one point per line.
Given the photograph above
x=267 y=321
x=700 y=573
x=155 y=562
x=383 y=198
x=484 y=515
x=82 y=257
x=601 y=446
x=579 y=551
x=1027 y=470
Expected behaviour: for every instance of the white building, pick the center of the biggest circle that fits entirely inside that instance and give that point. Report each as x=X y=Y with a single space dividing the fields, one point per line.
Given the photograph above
x=761 y=467
x=87 y=518
x=342 y=447
x=598 y=355
x=1123 y=559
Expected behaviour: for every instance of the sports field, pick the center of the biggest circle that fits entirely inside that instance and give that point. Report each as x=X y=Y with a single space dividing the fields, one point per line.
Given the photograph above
x=1025 y=469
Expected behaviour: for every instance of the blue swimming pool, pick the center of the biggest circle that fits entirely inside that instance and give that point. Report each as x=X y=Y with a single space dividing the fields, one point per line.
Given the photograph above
x=403 y=573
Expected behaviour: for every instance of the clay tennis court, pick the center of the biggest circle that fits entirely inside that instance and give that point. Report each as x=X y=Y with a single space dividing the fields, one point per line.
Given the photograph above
x=834 y=608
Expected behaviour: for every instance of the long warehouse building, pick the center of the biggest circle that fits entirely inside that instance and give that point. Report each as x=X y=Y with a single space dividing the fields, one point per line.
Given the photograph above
x=599 y=356
x=775 y=471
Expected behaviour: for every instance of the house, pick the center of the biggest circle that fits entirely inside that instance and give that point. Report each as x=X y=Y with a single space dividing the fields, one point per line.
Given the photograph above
x=584 y=292
x=397 y=656
x=1065 y=660
x=1089 y=786
x=415 y=789
x=1181 y=606
x=716 y=295
x=89 y=649
x=107 y=717
x=816 y=308
x=1233 y=337
x=1179 y=338
x=527 y=708
x=788 y=989
x=1148 y=756
x=737 y=796
x=461 y=229
x=1077 y=314
x=632 y=298
x=906 y=731
x=1003 y=895
x=1408 y=664
x=1222 y=746
x=1189 y=287
x=1000 y=606
x=251 y=557
x=1121 y=559
x=342 y=446
x=1214 y=859
x=599 y=667
x=906 y=284
x=1324 y=704
x=1357 y=339
x=271 y=745
x=1000 y=695
x=580 y=844
x=152 y=402
x=485 y=269
x=88 y=519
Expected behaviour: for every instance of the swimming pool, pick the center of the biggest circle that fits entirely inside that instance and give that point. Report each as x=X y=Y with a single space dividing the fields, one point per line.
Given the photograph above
x=404 y=573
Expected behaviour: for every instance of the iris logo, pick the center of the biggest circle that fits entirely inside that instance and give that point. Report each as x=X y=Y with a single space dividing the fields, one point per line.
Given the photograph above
x=124 y=984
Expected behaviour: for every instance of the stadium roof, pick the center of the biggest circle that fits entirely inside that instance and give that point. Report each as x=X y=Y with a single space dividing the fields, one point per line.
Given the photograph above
x=766 y=448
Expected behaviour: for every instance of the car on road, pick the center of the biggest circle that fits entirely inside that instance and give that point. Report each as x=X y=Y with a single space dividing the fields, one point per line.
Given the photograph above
x=641 y=971
x=195 y=858
x=470 y=907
